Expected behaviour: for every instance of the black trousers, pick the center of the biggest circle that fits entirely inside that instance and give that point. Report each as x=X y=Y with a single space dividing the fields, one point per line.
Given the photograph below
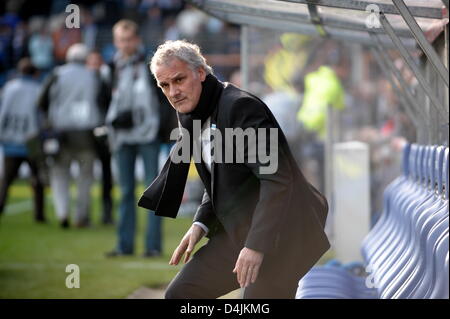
x=104 y=155
x=11 y=169
x=209 y=275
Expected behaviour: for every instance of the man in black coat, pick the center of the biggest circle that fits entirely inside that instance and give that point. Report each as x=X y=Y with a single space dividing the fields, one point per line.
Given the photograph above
x=264 y=221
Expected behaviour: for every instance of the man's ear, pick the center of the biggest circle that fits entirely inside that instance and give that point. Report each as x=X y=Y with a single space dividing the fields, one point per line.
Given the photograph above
x=201 y=74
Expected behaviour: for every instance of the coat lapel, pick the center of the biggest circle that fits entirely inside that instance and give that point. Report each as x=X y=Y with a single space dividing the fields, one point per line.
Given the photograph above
x=214 y=119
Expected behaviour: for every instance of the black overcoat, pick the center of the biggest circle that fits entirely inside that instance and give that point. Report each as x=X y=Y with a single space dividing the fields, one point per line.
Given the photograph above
x=279 y=214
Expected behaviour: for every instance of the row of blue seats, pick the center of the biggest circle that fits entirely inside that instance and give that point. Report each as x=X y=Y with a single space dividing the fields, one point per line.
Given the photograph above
x=406 y=253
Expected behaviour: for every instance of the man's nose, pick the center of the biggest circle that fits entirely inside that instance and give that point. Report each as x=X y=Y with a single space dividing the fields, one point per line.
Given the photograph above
x=174 y=91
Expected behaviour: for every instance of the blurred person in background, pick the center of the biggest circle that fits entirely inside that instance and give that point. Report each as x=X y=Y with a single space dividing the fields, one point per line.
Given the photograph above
x=89 y=29
x=6 y=50
x=18 y=123
x=63 y=38
x=40 y=45
x=102 y=72
x=322 y=89
x=283 y=104
x=69 y=101
x=133 y=121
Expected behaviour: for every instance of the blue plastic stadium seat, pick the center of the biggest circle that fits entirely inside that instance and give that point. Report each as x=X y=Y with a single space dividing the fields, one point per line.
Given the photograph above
x=407 y=250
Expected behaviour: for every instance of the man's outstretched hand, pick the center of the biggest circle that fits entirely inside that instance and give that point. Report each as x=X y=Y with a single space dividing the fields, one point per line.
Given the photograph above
x=247 y=266
x=187 y=244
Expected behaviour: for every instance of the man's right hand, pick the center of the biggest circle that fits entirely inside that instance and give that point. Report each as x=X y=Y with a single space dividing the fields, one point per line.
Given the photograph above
x=187 y=244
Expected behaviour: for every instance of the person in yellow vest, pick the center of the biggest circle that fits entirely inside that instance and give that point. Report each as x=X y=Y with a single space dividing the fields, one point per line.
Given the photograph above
x=283 y=63
x=322 y=87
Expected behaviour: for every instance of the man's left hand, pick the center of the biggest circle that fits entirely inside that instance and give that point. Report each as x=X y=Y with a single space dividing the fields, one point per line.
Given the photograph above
x=247 y=266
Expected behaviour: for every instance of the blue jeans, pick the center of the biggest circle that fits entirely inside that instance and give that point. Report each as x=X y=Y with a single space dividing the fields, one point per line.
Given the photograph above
x=126 y=162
